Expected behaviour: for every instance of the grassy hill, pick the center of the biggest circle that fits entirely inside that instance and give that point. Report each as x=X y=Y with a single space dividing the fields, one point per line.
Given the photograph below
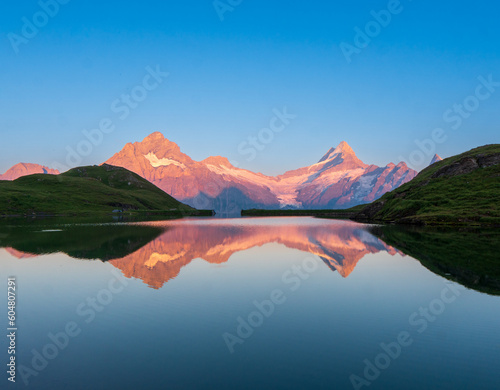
x=87 y=190
x=460 y=190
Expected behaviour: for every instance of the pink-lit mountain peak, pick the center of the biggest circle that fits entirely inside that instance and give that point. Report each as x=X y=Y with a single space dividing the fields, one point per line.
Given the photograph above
x=158 y=142
x=436 y=159
x=218 y=161
x=153 y=152
x=24 y=169
x=154 y=136
x=343 y=149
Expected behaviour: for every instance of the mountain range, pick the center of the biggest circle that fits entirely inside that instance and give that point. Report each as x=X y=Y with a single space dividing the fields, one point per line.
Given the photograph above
x=339 y=179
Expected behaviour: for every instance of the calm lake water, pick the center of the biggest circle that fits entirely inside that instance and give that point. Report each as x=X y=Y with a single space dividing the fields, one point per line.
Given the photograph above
x=249 y=303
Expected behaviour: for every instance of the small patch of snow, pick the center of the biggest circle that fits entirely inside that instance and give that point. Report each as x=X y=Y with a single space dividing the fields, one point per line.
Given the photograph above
x=156 y=162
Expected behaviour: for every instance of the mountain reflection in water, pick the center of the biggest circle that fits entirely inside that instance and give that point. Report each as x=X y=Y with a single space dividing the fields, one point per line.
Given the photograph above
x=340 y=244
x=155 y=252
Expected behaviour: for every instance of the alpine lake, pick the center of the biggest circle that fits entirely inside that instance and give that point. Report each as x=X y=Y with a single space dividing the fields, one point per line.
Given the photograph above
x=250 y=303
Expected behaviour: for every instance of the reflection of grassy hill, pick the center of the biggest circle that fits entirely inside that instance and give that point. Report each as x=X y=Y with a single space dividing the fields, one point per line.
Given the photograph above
x=104 y=242
x=86 y=190
x=463 y=189
x=467 y=257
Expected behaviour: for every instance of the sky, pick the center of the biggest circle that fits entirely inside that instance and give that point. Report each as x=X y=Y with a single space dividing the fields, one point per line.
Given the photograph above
x=380 y=75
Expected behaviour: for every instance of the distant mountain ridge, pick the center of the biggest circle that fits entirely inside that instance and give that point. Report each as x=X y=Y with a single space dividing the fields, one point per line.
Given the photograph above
x=338 y=180
x=435 y=159
x=25 y=169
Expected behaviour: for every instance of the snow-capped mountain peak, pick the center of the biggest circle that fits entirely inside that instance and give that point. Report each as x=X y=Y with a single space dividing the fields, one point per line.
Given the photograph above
x=342 y=149
x=338 y=180
x=435 y=159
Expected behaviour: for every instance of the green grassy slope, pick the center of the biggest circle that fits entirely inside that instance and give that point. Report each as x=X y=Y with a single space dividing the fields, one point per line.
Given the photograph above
x=460 y=190
x=83 y=191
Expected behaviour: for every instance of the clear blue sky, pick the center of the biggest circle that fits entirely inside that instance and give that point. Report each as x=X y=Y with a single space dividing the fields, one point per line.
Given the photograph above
x=226 y=77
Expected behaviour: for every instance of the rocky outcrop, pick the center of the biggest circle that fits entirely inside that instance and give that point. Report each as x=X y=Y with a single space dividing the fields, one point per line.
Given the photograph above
x=467 y=165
